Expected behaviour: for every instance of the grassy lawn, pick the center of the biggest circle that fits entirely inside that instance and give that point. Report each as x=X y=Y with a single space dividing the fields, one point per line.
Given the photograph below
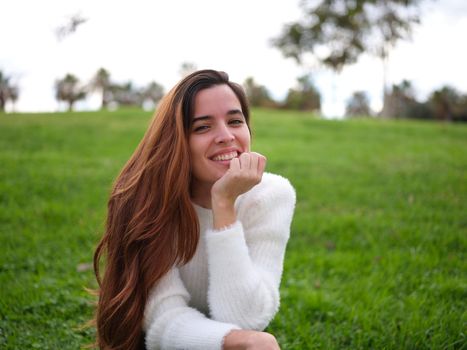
x=377 y=256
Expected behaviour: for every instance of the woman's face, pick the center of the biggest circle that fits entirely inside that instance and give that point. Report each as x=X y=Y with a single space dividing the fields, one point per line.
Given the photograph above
x=218 y=133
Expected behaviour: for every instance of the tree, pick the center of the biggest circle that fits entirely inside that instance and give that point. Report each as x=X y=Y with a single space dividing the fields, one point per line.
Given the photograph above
x=13 y=95
x=101 y=81
x=69 y=90
x=258 y=95
x=445 y=104
x=304 y=97
x=153 y=92
x=187 y=68
x=126 y=94
x=400 y=102
x=8 y=91
x=448 y=104
x=358 y=105
x=337 y=32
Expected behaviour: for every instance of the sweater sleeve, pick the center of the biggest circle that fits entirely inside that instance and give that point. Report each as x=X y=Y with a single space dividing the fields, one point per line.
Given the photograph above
x=246 y=259
x=169 y=323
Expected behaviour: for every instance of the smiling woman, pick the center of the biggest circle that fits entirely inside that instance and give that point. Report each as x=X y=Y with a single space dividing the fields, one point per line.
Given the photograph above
x=196 y=231
x=219 y=134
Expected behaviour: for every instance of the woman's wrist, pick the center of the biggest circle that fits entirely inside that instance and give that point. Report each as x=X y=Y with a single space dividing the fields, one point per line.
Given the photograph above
x=224 y=214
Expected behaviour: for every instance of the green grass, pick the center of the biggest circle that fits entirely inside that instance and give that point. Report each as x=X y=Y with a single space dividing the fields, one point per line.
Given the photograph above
x=376 y=259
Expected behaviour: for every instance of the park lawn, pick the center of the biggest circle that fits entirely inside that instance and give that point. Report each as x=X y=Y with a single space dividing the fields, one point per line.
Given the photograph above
x=376 y=258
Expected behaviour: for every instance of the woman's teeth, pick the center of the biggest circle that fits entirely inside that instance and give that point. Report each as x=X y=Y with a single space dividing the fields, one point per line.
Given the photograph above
x=225 y=156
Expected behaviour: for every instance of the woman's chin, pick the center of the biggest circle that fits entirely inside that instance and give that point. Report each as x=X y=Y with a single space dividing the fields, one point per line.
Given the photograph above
x=219 y=174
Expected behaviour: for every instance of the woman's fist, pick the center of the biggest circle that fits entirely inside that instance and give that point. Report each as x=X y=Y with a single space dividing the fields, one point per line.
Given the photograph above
x=243 y=174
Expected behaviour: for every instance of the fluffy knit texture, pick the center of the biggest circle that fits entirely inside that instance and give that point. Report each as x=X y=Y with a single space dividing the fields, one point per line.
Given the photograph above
x=232 y=281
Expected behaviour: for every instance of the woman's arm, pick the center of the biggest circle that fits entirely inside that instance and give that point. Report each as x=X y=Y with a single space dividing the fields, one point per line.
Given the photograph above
x=243 y=174
x=170 y=323
x=246 y=258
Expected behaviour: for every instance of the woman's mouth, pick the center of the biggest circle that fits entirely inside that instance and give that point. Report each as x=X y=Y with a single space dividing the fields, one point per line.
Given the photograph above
x=225 y=156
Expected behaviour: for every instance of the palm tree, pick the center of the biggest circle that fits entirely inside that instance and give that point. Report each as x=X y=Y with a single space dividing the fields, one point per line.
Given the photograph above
x=7 y=91
x=68 y=89
x=13 y=96
x=101 y=81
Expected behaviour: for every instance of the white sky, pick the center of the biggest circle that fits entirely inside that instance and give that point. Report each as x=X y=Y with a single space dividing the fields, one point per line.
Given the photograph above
x=143 y=40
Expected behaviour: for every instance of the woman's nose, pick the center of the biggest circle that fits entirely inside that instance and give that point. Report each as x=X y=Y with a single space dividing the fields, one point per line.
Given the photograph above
x=224 y=135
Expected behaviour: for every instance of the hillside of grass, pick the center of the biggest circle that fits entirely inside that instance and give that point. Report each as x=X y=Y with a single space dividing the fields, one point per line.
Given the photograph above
x=376 y=258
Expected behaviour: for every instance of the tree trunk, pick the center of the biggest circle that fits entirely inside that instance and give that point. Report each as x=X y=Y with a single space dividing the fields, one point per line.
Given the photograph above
x=104 y=99
x=386 y=111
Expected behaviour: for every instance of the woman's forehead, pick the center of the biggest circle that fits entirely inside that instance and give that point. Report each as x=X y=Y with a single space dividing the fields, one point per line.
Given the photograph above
x=217 y=99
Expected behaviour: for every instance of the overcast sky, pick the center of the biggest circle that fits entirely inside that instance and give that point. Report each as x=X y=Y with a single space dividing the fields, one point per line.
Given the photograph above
x=143 y=40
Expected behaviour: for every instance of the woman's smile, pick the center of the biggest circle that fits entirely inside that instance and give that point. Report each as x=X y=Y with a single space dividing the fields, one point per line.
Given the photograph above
x=225 y=156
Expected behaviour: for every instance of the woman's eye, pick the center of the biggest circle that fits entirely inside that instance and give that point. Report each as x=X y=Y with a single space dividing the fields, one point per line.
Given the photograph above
x=201 y=128
x=236 y=122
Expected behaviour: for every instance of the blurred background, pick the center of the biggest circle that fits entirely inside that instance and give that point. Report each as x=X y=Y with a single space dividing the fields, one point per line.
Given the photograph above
x=361 y=104
x=137 y=50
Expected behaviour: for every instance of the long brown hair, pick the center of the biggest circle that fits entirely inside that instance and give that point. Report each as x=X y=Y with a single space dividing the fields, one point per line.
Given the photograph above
x=151 y=224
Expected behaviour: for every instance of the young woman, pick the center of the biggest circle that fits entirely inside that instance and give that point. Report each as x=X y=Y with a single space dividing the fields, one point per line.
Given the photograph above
x=196 y=232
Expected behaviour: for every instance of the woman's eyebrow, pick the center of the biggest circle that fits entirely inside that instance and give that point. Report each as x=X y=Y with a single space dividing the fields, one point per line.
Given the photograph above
x=235 y=111
x=204 y=117
x=207 y=117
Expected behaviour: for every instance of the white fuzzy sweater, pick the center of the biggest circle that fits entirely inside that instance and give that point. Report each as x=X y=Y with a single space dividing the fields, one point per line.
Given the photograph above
x=232 y=281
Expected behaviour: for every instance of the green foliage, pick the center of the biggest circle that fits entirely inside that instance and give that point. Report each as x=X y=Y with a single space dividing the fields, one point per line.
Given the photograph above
x=125 y=94
x=337 y=32
x=358 y=105
x=101 y=81
x=305 y=97
x=70 y=90
x=8 y=90
x=153 y=92
x=258 y=95
x=448 y=104
x=443 y=104
x=376 y=258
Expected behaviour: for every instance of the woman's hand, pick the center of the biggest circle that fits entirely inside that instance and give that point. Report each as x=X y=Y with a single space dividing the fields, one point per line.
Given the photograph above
x=244 y=173
x=250 y=340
